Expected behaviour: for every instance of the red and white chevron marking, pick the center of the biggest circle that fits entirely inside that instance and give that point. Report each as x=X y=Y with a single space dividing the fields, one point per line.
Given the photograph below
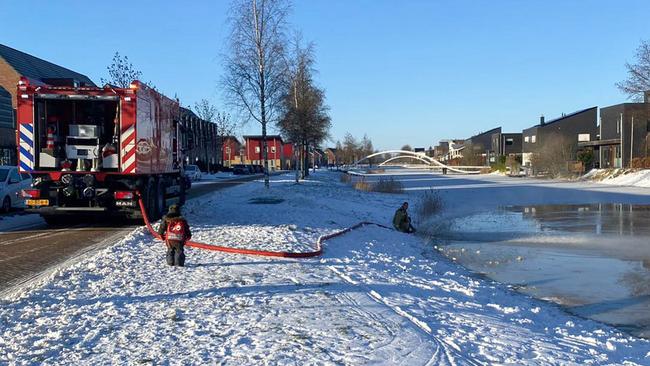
x=128 y=150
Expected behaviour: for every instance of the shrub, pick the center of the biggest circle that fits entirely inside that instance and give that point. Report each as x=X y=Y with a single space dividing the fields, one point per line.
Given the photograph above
x=498 y=167
x=640 y=163
x=362 y=185
x=430 y=204
x=389 y=185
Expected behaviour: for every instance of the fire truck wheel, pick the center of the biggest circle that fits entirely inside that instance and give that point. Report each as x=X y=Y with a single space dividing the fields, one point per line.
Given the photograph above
x=151 y=201
x=6 y=205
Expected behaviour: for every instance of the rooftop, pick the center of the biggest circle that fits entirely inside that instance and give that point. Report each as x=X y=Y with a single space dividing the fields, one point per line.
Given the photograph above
x=563 y=117
x=38 y=69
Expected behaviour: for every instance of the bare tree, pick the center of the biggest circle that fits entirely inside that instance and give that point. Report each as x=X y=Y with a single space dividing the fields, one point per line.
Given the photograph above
x=305 y=119
x=223 y=123
x=638 y=79
x=350 y=149
x=367 y=148
x=255 y=75
x=553 y=156
x=121 y=72
x=205 y=110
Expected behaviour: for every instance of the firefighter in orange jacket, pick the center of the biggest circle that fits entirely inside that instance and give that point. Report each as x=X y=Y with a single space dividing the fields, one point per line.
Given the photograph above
x=175 y=230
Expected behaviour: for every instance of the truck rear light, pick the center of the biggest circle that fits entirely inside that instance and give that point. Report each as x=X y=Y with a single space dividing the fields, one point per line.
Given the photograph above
x=66 y=165
x=124 y=195
x=30 y=193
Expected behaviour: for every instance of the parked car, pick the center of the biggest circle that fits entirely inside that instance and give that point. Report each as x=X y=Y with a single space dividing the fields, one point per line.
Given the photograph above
x=241 y=169
x=260 y=169
x=193 y=172
x=11 y=183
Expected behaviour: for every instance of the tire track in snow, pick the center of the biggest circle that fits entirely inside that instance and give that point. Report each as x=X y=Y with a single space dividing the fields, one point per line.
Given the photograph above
x=451 y=351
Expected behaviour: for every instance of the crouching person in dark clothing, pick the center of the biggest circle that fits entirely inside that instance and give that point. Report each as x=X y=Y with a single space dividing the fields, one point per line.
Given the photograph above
x=175 y=232
x=402 y=220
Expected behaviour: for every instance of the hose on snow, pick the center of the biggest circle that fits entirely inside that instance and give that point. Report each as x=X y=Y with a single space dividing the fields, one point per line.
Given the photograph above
x=264 y=253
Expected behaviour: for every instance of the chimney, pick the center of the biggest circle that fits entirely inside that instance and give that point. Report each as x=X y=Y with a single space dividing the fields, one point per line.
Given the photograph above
x=541 y=120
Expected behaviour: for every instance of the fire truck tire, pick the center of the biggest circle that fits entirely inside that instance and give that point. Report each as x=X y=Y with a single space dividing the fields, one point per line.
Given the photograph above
x=6 y=205
x=150 y=201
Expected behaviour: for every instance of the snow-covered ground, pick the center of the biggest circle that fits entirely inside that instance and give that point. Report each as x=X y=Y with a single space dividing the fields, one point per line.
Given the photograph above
x=375 y=297
x=19 y=220
x=217 y=176
x=621 y=177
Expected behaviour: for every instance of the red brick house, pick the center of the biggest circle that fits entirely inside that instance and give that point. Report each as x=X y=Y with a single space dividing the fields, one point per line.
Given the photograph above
x=287 y=151
x=275 y=148
x=231 y=151
x=330 y=154
x=15 y=64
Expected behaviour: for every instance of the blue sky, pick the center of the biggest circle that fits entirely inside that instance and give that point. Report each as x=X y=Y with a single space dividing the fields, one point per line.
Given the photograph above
x=401 y=71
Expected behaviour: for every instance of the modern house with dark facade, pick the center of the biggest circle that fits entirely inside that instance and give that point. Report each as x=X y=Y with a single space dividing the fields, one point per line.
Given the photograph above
x=481 y=144
x=571 y=128
x=15 y=64
x=204 y=141
x=506 y=144
x=624 y=134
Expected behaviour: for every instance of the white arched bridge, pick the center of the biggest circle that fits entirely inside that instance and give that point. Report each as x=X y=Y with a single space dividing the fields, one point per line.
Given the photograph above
x=427 y=161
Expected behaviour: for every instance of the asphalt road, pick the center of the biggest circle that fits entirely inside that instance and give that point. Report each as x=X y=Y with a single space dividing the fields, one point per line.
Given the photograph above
x=26 y=255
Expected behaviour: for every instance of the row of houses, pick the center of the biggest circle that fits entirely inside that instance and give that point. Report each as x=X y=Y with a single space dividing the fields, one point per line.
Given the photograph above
x=280 y=153
x=612 y=137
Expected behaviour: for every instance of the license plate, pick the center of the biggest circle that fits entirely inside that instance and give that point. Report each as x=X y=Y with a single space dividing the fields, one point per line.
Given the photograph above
x=37 y=202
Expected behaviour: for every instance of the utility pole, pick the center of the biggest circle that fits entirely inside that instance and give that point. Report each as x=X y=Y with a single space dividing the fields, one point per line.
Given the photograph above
x=632 y=141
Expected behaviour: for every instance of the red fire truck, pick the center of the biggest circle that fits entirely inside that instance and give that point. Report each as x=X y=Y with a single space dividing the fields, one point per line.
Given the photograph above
x=90 y=150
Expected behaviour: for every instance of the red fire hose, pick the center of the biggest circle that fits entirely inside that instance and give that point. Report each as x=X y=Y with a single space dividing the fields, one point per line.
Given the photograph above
x=264 y=253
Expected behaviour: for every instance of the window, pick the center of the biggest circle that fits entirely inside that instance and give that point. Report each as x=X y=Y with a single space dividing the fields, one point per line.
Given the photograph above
x=14 y=176
x=526 y=139
x=257 y=149
x=510 y=141
x=227 y=149
x=533 y=138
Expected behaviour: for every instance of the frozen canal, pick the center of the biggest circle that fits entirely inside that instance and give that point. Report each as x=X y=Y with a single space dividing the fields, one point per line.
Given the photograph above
x=583 y=245
x=592 y=259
